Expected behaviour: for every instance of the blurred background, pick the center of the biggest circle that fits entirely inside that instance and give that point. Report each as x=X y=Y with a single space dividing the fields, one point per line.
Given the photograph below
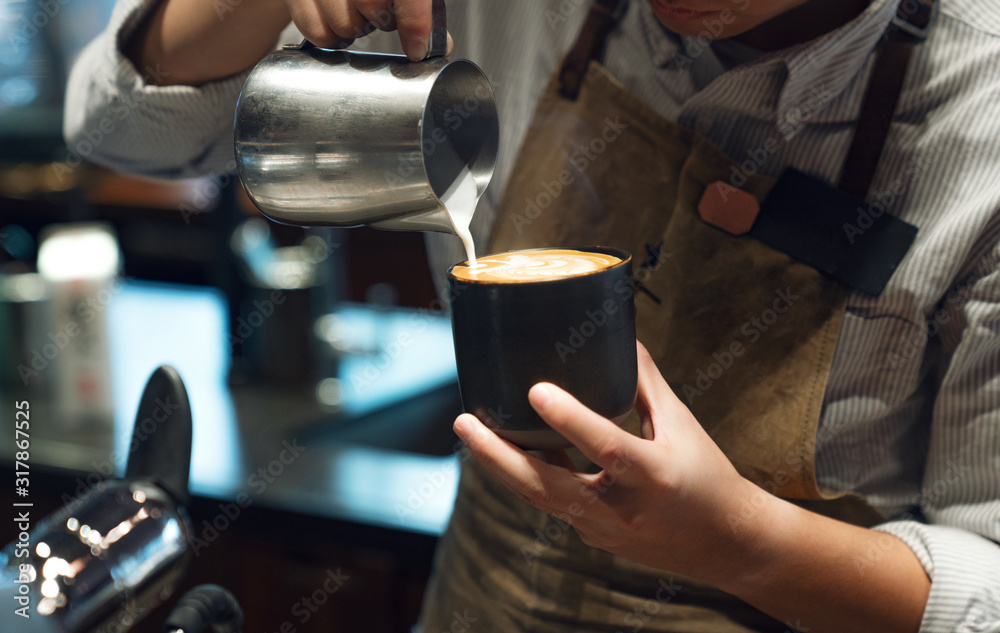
x=318 y=362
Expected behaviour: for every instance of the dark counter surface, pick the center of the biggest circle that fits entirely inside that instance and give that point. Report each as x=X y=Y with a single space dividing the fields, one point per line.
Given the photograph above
x=285 y=491
x=385 y=459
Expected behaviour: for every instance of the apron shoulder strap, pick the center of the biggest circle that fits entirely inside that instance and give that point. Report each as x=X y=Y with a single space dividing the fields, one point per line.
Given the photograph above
x=910 y=26
x=601 y=20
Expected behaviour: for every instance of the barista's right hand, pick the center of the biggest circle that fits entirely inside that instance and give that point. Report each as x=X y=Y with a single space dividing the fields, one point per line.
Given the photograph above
x=337 y=23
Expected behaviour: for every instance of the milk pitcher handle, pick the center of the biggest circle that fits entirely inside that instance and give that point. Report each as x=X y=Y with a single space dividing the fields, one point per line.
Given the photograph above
x=437 y=47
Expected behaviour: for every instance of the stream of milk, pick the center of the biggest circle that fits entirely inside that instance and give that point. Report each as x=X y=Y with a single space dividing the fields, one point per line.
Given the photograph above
x=460 y=200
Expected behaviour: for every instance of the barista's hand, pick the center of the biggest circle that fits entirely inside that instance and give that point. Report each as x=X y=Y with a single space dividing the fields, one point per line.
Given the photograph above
x=672 y=500
x=337 y=23
x=666 y=499
x=192 y=42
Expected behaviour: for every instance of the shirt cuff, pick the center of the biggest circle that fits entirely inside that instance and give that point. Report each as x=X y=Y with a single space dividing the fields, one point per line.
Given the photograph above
x=964 y=569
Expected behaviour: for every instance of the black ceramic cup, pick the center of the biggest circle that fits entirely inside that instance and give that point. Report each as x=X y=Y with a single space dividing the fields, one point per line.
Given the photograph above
x=575 y=332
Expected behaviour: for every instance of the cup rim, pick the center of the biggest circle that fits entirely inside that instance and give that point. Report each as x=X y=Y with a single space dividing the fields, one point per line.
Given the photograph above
x=620 y=253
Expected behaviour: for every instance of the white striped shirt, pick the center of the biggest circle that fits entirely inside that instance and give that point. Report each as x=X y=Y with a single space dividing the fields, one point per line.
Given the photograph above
x=911 y=416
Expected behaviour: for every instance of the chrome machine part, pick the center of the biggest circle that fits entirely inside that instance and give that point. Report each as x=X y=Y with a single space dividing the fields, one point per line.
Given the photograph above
x=110 y=556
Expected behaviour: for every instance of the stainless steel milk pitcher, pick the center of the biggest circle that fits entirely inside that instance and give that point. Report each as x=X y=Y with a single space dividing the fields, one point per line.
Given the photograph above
x=342 y=138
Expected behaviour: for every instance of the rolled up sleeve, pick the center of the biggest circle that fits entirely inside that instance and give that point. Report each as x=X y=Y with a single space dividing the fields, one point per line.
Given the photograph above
x=965 y=576
x=960 y=498
x=119 y=117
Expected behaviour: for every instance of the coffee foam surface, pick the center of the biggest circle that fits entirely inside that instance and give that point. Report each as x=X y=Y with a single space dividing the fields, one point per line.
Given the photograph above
x=536 y=265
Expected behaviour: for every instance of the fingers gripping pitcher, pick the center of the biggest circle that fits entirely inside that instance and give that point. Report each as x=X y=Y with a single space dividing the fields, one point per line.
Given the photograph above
x=342 y=138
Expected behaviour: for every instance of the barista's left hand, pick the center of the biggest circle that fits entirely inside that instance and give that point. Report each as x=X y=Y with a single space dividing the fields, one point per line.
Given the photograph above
x=672 y=500
x=669 y=499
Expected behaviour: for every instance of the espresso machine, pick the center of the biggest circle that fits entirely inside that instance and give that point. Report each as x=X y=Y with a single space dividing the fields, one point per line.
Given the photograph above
x=108 y=557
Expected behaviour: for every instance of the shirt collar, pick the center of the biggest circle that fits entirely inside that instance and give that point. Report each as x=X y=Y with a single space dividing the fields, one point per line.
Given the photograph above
x=663 y=44
x=818 y=71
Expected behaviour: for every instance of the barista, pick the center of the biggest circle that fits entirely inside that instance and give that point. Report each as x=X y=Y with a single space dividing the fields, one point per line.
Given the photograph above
x=884 y=431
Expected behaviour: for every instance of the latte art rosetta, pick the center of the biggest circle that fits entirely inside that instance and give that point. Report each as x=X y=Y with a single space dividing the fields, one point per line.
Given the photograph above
x=537 y=265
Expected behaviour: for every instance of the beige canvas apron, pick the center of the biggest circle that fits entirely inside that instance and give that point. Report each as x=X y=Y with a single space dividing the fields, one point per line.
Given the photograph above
x=743 y=334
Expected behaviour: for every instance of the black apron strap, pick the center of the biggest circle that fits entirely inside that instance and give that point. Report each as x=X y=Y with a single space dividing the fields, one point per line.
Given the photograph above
x=601 y=20
x=910 y=26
